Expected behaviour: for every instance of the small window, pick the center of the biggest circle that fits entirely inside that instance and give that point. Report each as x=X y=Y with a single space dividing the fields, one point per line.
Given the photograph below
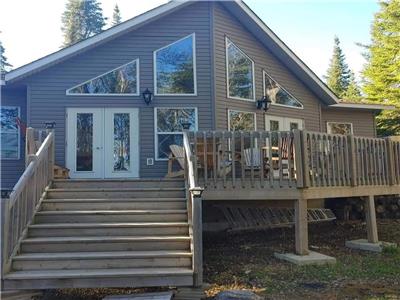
x=10 y=134
x=240 y=73
x=340 y=128
x=123 y=80
x=175 y=68
x=277 y=94
x=168 y=126
x=241 y=121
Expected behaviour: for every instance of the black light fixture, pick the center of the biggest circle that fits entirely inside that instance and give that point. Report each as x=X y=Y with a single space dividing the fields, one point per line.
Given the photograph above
x=264 y=103
x=147 y=96
x=49 y=124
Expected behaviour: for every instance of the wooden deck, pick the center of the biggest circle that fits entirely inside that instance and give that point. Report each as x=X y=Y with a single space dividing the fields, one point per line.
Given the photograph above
x=297 y=165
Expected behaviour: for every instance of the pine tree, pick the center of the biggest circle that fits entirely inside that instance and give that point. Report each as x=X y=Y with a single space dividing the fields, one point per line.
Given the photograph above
x=80 y=20
x=116 y=18
x=382 y=71
x=4 y=64
x=353 y=91
x=338 y=74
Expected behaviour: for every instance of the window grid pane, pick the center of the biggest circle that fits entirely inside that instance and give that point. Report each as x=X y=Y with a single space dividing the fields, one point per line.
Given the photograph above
x=240 y=73
x=175 y=68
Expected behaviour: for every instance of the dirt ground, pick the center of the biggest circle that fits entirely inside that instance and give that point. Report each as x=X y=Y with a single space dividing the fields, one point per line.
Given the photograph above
x=246 y=261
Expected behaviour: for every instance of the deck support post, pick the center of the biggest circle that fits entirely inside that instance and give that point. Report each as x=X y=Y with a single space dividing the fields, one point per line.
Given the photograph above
x=370 y=215
x=301 y=226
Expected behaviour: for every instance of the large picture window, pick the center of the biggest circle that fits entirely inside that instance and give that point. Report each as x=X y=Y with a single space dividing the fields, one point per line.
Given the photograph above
x=168 y=126
x=241 y=121
x=339 y=128
x=123 y=80
x=175 y=68
x=10 y=134
x=277 y=94
x=240 y=73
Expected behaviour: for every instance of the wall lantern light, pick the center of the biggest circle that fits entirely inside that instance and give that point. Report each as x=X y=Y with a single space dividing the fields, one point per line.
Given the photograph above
x=264 y=103
x=147 y=96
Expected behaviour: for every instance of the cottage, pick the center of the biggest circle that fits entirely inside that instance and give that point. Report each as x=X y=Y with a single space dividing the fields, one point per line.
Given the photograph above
x=250 y=121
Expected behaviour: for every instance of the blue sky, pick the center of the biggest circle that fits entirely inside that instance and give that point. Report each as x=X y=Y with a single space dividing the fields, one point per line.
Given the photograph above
x=306 y=26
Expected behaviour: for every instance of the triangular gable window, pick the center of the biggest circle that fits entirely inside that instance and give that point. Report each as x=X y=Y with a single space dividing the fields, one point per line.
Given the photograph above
x=278 y=95
x=123 y=80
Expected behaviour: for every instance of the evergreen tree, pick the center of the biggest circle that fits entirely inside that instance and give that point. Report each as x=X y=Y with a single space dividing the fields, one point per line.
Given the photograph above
x=353 y=90
x=338 y=74
x=81 y=19
x=116 y=18
x=4 y=64
x=382 y=71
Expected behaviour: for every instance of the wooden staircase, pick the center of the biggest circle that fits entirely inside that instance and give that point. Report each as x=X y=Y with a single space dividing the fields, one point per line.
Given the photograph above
x=106 y=233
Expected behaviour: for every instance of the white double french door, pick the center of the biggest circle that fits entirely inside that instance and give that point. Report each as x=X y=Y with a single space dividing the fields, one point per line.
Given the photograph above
x=103 y=142
x=274 y=123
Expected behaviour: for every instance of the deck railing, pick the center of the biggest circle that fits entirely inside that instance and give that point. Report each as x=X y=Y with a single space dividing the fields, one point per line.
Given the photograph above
x=26 y=196
x=295 y=159
x=194 y=207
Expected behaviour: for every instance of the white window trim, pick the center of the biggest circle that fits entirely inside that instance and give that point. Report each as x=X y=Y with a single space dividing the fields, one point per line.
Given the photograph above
x=68 y=93
x=227 y=72
x=290 y=94
x=194 y=67
x=19 y=134
x=166 y=132
x=329 y=130
x=241 y=111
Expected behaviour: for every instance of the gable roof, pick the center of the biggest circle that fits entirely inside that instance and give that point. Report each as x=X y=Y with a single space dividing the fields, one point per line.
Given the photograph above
x=237 y=7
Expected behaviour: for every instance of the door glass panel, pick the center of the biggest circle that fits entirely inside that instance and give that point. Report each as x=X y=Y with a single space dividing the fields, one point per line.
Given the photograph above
x=84 y=142
x=274 y=125
x=121 y=142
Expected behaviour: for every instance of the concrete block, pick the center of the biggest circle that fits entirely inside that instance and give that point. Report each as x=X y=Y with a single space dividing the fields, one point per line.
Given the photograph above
x=313 y=258
x=363 y=244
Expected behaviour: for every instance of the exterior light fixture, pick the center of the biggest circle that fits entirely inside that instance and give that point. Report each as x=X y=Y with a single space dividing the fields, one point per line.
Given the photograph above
x=49 y=124
x=264 y=103
x=147 y=96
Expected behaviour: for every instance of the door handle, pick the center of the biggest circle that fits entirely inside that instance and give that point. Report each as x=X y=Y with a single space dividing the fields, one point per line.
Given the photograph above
x=99 y=148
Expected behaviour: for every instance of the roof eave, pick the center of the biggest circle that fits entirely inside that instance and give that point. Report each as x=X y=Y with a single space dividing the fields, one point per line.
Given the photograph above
x=100 y=38
x=286 y=56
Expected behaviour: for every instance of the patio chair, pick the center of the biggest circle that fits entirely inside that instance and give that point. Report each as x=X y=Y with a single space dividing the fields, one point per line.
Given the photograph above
x=177 y=154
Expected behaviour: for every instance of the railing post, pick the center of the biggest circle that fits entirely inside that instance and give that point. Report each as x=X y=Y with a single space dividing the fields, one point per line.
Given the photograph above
x=390 y=162
x=6 y=236
x=299 y=158
x=305 y=160
x=197 y=240
x=30 y=147
x=352 y=159
x=51 y=153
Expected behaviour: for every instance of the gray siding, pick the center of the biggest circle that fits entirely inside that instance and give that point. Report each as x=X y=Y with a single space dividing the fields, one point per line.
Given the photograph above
x=11 y=170
x=47 y=99
x=227 y=25
x=363 y=121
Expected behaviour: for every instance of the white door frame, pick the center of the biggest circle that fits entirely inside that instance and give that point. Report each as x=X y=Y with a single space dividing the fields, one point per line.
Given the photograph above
x=284 y=122
x=103 y=143
x=109 y=144
x=97 y=143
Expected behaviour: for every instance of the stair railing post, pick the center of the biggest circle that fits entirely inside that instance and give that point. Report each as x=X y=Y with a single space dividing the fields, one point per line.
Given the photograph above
x=197 y=237
x=51 y=152
x=30 y=147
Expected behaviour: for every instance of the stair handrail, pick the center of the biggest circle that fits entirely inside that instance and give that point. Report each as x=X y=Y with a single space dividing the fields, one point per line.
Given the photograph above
x=194 y=206
x=25 y=198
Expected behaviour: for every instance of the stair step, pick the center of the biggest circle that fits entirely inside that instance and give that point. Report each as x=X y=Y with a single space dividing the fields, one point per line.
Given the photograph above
x=116 y=183
x=107 y=229
x=111 y=193
x=105 y=216
x=109 y=204
x=96 y=273
x=104 y=243
x=101 y=260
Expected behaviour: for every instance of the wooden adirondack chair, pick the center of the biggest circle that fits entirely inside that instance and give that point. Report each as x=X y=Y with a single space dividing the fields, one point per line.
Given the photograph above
x=177 y=154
